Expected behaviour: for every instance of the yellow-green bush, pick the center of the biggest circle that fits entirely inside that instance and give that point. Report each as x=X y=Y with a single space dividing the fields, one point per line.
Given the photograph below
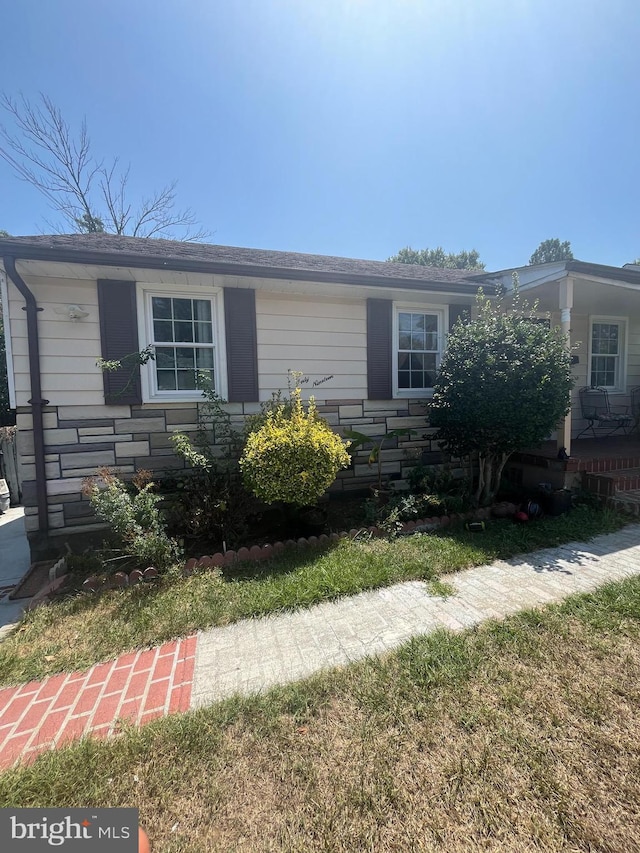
x=294 y=456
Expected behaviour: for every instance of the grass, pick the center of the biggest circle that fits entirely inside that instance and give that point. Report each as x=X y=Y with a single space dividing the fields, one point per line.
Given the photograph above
x=521 y=735
x=81 y=630
x=438 y=588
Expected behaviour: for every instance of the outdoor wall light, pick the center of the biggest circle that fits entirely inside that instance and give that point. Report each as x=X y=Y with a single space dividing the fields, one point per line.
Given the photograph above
x=73 y=312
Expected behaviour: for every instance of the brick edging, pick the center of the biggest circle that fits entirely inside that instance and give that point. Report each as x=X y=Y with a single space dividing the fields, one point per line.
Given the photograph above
x=255 y=553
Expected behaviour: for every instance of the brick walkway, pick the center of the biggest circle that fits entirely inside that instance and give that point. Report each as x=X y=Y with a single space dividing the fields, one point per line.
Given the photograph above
x=136 y=688
x=253 y=655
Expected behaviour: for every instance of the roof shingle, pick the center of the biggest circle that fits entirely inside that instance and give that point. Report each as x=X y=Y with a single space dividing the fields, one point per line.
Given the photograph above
x=174 y=252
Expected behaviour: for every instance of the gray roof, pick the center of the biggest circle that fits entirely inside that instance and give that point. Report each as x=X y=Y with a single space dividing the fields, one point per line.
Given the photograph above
x=173 y=254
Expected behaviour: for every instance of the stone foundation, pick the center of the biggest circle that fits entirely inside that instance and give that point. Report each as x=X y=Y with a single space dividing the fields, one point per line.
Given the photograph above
x=79 y=440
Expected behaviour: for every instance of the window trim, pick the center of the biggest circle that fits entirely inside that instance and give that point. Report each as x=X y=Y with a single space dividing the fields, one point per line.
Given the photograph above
x=623 y=323
x=442 y=312
x=145 y=292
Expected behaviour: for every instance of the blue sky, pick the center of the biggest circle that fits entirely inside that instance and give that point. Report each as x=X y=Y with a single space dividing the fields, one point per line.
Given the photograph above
x=353 y=127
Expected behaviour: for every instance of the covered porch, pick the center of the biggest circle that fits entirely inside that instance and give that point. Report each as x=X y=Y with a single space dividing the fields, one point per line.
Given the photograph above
x=598 y=309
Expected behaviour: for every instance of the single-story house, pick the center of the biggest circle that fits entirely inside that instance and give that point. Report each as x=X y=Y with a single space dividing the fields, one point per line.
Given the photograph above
x=367 y=335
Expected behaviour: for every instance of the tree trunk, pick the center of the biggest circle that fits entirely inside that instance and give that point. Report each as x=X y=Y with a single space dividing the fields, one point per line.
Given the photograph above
x=491 y=466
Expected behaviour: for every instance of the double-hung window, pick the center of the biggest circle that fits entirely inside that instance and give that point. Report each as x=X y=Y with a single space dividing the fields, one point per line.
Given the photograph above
x=418 y=342
x=607 y=359
x=183 y=329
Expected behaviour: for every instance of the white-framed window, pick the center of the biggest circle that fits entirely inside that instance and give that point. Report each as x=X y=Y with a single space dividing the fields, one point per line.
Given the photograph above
x=418 y=343
x=185 y=329
x=607 y=353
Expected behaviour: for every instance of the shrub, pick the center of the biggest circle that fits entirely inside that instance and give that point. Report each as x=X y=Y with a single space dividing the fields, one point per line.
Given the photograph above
x=504 y=384
x=439 y=485
x=209 y=500
x=134 y=517
x=294 y=456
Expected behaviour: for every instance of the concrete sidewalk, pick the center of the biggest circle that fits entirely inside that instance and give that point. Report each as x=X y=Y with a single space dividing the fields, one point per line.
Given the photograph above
x=249 y=657
x=253 y=655
x=14 y=563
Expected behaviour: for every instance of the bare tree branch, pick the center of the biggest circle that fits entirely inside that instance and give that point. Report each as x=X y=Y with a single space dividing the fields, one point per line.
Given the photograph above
x=88 y=194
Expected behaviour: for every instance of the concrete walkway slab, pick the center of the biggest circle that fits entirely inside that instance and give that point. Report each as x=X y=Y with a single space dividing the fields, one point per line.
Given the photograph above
x=15 y=561
x=14 y=548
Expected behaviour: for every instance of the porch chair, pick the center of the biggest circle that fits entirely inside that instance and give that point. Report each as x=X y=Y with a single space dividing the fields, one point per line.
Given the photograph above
x=601 y=415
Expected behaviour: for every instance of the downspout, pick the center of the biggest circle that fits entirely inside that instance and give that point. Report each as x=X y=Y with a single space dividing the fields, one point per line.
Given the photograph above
x=36 y=402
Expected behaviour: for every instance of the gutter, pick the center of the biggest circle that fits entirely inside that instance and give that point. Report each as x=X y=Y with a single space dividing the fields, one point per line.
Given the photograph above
x=141 y=261
x=36 y=402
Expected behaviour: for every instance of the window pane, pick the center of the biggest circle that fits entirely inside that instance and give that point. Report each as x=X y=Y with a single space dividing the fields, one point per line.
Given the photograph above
x=183 y=331
x=186 y=380
x=165 y=357
x=182 y=309
x=603 y=371
x=207 y=375
x=204 y=359
x=605 y=348
x=203 y=333
x=418 y=348
x=161 y=308
x=163 y=330
x=431 y=342
x=185 y=358
x=430 y=365
x=202 y=309
x=166 y=380
x=605 y=338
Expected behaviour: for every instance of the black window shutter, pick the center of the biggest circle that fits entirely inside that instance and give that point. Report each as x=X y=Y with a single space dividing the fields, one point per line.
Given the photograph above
x=242 y=345
x=119 y=338
x=455 y=311
x=379 y=338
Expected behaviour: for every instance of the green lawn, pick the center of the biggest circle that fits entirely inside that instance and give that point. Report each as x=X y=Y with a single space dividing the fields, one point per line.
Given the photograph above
x=522 y=735
x=81 y=630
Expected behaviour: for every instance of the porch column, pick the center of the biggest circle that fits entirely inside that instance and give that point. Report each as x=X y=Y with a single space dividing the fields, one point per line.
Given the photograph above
x=566 y=304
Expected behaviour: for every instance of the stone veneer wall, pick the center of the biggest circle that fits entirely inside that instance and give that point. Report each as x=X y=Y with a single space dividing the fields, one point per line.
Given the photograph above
x=78 y=440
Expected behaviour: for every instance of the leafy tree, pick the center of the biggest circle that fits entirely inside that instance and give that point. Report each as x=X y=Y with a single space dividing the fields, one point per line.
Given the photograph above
x=551 y=250
x=90 y=193
x=463 y=260
x=504 y=384
x=88 y=224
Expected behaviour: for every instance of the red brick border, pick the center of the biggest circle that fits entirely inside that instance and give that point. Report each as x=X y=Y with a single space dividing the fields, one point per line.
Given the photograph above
x=265 y=552
x=136 y=687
